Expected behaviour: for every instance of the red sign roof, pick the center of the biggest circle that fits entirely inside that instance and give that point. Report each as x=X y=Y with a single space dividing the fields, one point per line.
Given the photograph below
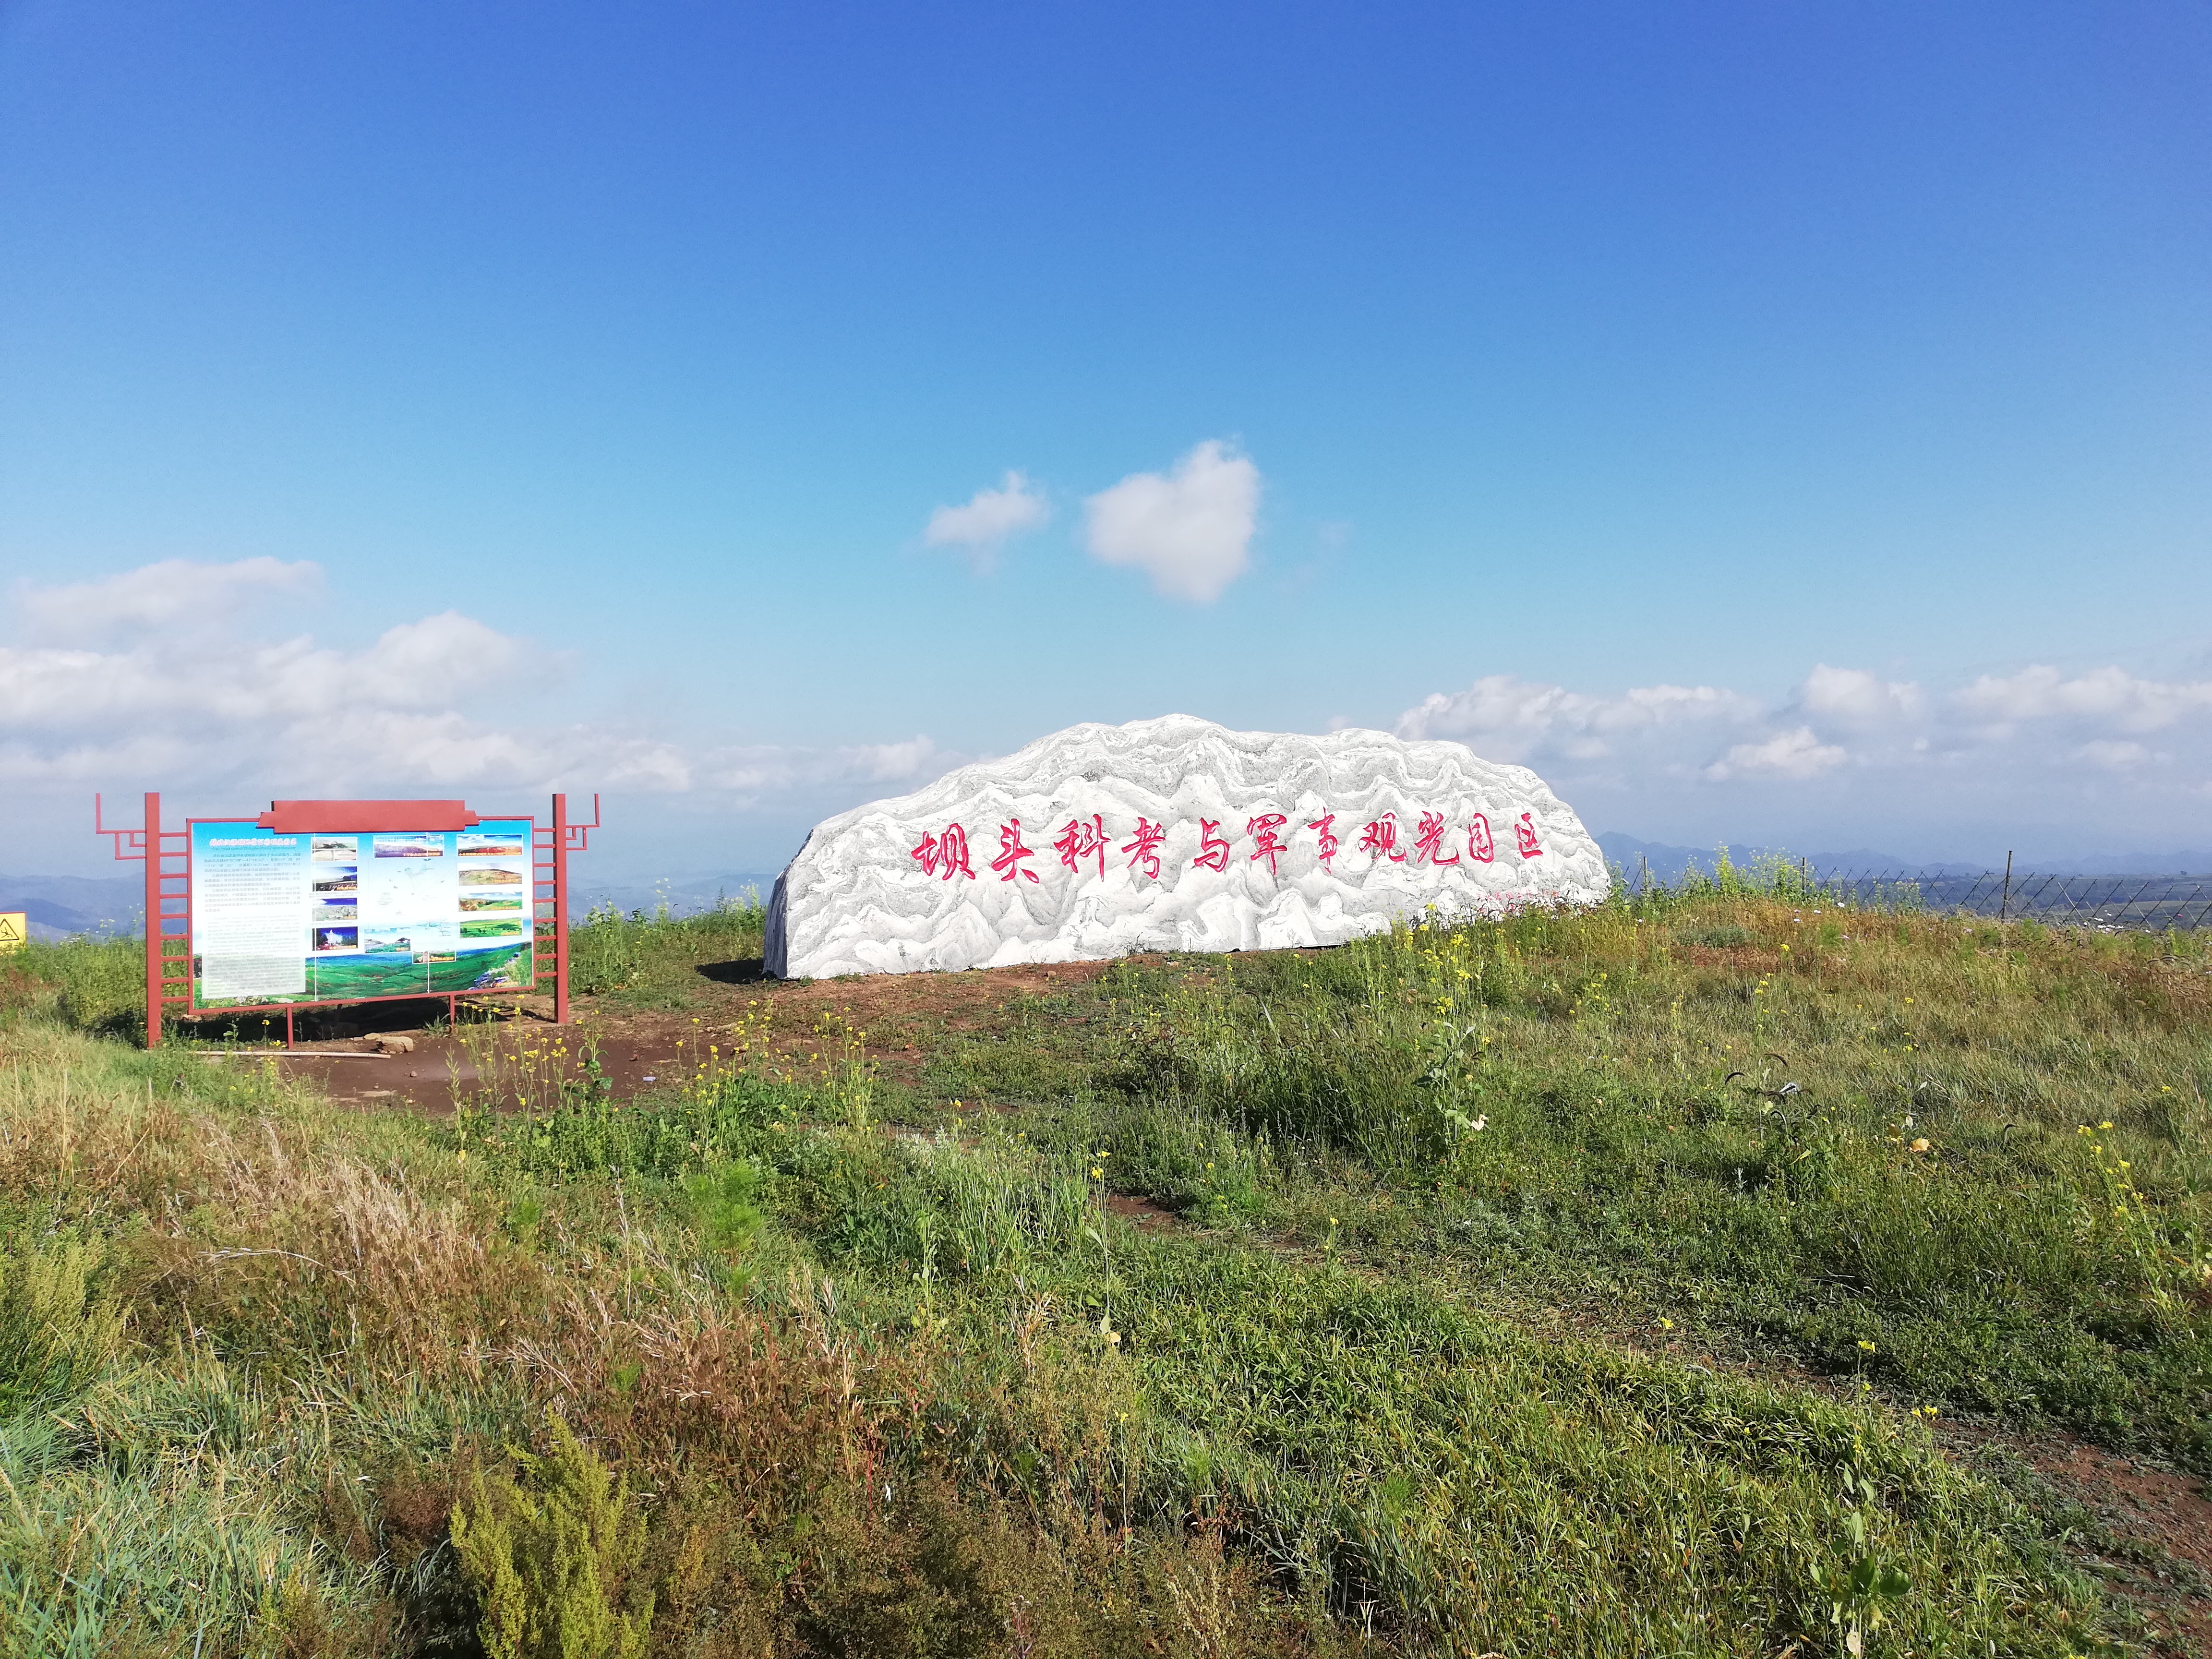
x=307 y=817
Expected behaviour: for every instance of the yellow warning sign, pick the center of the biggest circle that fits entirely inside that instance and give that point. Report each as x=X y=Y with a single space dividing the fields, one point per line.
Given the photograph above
x=13 y=930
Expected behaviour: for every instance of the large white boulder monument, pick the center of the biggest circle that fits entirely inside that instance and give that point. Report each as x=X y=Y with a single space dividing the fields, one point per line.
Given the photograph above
x=1174 y=835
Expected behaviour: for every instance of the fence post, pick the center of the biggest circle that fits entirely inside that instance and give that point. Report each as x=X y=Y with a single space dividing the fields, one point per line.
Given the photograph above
x=153 y=920
x=560 y=909
x=2004 y=905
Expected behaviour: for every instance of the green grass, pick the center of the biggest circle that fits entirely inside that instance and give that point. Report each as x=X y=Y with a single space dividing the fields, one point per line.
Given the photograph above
x=94 y=984
x=1990 y=1186
x=1488 y=1333
x=652 y=959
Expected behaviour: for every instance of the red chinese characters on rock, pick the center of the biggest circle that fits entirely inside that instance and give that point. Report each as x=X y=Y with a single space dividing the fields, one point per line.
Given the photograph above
x=1079 y=841
x=1429 y=840
x=1381 y=838
x=1479 y=845
x=1012 y=853
x=945 y=856
x=1326 y=842
x=1212 y=850
x=1145 y=849
x=1265 y=842
x=1082 y=841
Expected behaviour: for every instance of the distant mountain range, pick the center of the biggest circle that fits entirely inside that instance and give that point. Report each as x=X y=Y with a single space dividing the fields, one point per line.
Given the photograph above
x=60 y=907
x=684 y=896
x=1667 y=863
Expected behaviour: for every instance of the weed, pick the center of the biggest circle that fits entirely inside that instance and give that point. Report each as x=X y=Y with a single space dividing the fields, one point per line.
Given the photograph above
x=655 y=958
x=550 y=1544
x=728 y=1220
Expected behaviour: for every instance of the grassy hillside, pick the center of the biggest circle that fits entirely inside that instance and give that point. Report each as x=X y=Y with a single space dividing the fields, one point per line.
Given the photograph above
x=1604 y=1283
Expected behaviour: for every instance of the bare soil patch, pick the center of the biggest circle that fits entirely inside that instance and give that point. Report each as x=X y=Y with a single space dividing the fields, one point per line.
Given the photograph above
x=640 y=1050
x=1142 y=1213
x=2142 y=1504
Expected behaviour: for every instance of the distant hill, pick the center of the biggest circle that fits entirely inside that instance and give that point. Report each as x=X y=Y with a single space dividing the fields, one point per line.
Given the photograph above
x=1667 y=863
x=685 y=895
x=58 y=907
x=2198 y=863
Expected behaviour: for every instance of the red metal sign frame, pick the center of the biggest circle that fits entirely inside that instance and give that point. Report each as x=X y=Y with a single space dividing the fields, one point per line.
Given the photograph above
x=168 y=855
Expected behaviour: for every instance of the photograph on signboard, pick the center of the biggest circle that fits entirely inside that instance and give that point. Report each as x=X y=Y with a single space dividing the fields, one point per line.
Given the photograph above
x=335 y=849
x=411 y=847
x=482 y=846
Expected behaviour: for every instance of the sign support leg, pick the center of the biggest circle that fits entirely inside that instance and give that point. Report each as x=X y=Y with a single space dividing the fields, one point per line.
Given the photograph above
x=560 y=909
x=153 y=833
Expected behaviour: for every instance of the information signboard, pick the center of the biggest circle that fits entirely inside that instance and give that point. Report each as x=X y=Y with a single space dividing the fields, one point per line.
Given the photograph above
x=315 y=902
x=323 y=916
x=14 y=928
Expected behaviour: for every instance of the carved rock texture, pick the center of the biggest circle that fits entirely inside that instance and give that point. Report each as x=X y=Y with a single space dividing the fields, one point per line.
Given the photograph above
x=860 y=899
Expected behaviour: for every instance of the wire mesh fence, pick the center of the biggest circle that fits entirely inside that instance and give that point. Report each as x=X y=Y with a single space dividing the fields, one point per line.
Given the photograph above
x=2152 y=903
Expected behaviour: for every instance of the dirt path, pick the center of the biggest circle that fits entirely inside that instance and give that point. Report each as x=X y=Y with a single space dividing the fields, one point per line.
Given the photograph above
x=638 y=1050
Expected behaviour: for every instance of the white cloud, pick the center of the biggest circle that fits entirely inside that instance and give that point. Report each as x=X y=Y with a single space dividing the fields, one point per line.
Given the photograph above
x=988 y=519
x=1855 y=697
x=2113 y=755
x=2059 y=756
x=1796 y=753
x=1189 y=531
x=429 y=704
x=416 y=666
x=178 y=593
x=1512 y=719
x=2108 y=696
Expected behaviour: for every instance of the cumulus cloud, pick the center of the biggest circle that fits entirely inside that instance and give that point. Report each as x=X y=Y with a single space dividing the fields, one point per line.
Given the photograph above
x=1796 y=753
x=427 y=704
x=178 y=593
x=1190 y=529
x=1853 y=697
x=1513 y=719
x=988 y=519
x=2107 y=696
x=2115 y=754
x=415 y=665
x=1845 y=743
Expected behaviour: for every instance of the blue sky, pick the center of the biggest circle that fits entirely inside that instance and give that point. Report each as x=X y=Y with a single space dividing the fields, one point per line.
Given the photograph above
x=1777 y=422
